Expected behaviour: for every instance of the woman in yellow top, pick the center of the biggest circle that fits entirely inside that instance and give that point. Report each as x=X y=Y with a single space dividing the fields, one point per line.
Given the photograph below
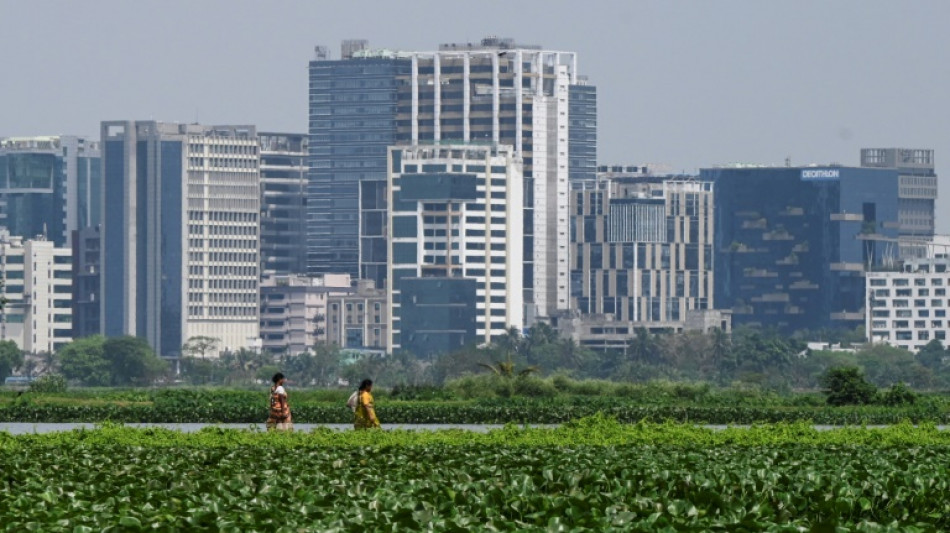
x=365 y=412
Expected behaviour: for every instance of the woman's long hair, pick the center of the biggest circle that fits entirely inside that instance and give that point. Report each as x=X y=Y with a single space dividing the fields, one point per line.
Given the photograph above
x=365 y=384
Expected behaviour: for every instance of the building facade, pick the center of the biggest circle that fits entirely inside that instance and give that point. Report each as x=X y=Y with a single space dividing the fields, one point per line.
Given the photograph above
x=908 y=307
x=49 y=186
x=294 y=310
x=916 y=195
x=283 y=203
x=37 y=283
x=641 y=248
x=352 y=122
x=456 y=251
x=87 y=282
x=495 y=91
x=180 y=240
x=359 y=321
x=792 y=243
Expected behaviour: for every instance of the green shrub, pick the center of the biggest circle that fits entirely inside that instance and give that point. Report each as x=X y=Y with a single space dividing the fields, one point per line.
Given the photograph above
x=899 y=394
x=845 y=385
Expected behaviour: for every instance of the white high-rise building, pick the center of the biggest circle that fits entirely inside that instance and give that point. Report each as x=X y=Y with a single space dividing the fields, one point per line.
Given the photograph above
x=456 y=247
x=502 y=92
x=180 y=237
x=37 y=283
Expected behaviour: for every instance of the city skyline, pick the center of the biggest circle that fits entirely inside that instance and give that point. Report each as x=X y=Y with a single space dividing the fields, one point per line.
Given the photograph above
x=683 y=86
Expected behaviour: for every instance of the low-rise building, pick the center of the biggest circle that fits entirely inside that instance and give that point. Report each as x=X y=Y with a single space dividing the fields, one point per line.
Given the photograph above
x=908 y=307
x=358 y=320
x=294 y=310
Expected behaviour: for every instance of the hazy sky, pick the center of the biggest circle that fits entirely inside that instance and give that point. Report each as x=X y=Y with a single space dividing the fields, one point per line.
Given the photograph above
x=680 y=84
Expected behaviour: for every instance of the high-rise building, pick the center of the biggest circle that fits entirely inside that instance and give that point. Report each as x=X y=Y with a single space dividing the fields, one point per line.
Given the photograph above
x=495 y=91
x=49 y=186
x=792 y=244
x=352 y=121
x=641 y=247
x=87 y=282
x=180 y=254
x=37 y=283
x=283 y=203
x=456 y=250
x=916 y=196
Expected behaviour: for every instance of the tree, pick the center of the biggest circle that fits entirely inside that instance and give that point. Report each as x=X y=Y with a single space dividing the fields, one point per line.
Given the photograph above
x=200 y=346
x=845 y=385
x=82 y=360
x=132 y=361
x=932 y=355
x=11 y=357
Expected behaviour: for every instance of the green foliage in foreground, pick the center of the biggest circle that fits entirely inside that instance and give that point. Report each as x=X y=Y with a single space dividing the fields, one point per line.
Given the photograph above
x=593 y=431
x=118 y=479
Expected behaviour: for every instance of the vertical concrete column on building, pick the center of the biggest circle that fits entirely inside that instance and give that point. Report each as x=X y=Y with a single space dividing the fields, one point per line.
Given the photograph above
x=466 y=95
x=437 y=97
x=574 y=69
x=415 y=99
x=538 y=66
x=519 y=100
x=495 y=98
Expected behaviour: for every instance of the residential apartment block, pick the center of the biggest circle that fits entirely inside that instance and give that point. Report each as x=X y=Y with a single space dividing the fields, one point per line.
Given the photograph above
x=359 y=320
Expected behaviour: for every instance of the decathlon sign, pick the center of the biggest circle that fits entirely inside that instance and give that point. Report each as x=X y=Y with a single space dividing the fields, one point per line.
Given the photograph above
x=820 y=174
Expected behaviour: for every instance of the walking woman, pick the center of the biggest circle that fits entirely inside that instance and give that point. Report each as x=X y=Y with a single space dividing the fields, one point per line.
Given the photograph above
x=279 y=418
x=365 y=412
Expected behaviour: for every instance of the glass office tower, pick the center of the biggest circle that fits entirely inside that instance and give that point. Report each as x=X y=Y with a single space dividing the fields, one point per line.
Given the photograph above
x=792 y=244
x=352 y=122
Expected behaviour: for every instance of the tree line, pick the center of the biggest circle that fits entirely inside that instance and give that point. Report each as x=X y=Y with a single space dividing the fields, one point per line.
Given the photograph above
x=747 y=356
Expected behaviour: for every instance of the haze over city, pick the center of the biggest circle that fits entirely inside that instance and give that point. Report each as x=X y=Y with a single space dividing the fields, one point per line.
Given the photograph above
x=680 y=85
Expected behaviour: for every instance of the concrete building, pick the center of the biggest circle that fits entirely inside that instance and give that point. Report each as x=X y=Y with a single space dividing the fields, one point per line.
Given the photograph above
x=908 y=307
x=456 y=256
x=283 y=203
x=917 y=194
x=359 y=321
x=792 y=244
x=641 y=247
x=180 y=255
x=87 y=282
x=49 y=186
x=494 y=91
x=294 y=310
x=37 y=283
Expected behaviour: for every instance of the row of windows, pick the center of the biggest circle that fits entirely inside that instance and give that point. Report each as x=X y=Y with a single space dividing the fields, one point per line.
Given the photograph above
x=222 y=311
x=907 y=313
x=246 y=149
x=886 y=293
x=904 y=282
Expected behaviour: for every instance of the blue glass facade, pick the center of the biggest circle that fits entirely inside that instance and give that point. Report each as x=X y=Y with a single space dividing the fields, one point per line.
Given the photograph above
x=113 y=264
x=32 y=187
x=791 y=244
x=171 y=245
x=352 y=121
